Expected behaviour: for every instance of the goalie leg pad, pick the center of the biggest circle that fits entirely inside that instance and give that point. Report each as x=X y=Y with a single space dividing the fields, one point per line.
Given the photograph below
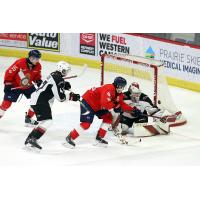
x=157 y=130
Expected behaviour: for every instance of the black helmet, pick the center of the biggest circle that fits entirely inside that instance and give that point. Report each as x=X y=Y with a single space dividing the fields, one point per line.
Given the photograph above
x=120 y=81
x=35 y=53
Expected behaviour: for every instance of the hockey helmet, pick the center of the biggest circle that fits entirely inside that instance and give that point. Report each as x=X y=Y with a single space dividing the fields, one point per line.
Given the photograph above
x=63 y=67
x=120 y=83
x=34 y=53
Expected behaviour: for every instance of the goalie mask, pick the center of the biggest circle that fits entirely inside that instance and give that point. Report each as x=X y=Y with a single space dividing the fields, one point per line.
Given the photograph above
x=134 y=89
x=64 y=68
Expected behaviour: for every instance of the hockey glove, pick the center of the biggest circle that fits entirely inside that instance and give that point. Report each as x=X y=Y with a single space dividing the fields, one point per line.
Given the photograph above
x=74 y=97
x=7 y=88
x=38 y=82
x=118 y=110
x=67 y=86
x=136 y=112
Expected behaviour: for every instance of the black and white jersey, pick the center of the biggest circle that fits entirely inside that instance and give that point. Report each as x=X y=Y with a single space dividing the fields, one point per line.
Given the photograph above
x=52 y=88
x=143 y=103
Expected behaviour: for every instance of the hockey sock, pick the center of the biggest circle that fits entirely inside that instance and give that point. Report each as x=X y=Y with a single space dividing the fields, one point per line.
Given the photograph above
x=4 y=106
x=76 y=132
x=103 y=129
x=102 y=133
x=30 y=113
x=37 y=133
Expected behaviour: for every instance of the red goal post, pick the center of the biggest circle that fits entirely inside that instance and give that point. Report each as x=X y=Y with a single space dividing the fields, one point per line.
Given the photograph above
x=148 y=73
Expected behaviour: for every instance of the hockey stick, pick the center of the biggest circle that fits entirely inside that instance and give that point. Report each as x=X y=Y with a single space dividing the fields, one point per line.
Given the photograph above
x=22 y=87
x=78 y=75
x=165 y=119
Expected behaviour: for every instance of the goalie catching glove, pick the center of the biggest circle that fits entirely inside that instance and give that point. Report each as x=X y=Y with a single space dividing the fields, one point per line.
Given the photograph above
x=74 y=97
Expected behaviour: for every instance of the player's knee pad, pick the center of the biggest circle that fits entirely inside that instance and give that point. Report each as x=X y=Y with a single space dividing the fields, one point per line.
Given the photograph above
x=85 y=125
x=45 y=124
x=5 y=105
x=107 y=118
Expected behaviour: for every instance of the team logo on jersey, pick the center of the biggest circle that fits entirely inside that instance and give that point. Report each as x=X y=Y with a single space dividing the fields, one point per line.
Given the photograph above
x=25 y=81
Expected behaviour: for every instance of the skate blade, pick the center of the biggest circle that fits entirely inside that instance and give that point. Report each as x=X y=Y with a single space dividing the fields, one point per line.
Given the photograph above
x=97 y=144
x=67 y=145
x=31 y=148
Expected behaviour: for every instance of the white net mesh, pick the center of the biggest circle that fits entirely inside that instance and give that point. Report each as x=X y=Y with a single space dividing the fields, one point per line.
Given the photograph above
x=147 y=72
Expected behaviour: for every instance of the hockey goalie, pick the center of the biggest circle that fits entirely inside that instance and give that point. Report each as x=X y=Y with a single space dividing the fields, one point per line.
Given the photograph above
x=153 y=120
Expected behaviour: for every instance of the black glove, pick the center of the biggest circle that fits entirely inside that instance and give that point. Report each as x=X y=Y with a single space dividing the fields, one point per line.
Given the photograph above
x=118 y=110
x=67 y=86
x=136 y=112
x=38 y=82
x=7 y=88
x=74 y=97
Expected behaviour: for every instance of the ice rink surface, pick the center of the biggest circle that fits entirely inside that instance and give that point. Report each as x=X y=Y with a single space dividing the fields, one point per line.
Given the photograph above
x=181 y=147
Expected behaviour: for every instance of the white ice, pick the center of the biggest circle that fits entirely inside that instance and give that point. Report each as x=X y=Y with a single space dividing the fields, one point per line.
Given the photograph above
x=181 y=147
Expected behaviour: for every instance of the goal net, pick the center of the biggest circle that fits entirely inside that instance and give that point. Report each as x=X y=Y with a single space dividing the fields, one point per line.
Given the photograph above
x=148 y=73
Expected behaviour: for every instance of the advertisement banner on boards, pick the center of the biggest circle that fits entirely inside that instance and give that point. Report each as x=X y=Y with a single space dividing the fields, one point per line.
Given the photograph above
x=111 y=43
x=182 y=62
x=45 y=41
x=88 y=43
x=18 y=40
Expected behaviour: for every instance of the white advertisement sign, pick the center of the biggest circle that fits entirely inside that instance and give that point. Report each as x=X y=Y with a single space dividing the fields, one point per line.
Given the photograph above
x=180 y=62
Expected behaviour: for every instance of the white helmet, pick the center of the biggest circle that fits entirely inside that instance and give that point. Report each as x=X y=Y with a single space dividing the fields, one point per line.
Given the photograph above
x=63 y=67
x=134 y=89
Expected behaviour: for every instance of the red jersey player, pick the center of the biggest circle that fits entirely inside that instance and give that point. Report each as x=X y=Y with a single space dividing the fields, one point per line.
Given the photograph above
x=99 y=101
x=18 y=79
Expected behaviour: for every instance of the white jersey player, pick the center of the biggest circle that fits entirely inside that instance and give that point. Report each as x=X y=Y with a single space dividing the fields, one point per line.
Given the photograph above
x=134 y=97
x=42 y=99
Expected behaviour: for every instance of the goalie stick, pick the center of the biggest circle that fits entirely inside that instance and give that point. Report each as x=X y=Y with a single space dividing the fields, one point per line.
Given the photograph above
x=78 y=75
x=165 y=119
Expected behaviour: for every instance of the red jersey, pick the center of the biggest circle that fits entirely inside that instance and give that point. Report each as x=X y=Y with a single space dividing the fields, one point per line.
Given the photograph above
x=105 y=97
x=20 y=75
